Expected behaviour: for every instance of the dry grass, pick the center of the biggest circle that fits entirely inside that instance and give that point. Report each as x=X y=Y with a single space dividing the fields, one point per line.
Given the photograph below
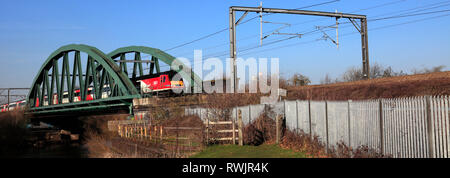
x=96 y=135
x=102 y=143
x=97 y=145
x=344 y=151
x=314 y=148
x=304 y=143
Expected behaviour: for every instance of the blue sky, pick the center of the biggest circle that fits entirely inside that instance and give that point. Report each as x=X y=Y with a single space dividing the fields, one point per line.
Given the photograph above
x=31 y=30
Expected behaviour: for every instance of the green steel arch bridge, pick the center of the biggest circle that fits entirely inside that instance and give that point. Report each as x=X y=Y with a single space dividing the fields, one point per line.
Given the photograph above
x=81 y=71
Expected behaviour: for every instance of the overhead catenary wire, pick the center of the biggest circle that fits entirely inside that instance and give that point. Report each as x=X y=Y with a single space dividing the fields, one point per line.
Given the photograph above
x=384 y=18
x=225 y=29
x=347 y=34
x=318 y=31
x=270 y=31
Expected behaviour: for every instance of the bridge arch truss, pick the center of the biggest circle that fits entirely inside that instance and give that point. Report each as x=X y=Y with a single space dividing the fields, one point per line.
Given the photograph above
x=92 y=74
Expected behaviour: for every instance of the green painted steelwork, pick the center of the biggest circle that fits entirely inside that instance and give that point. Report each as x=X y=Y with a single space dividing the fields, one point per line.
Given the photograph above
x=157 y=55
x=107 y=103
x=100 y=71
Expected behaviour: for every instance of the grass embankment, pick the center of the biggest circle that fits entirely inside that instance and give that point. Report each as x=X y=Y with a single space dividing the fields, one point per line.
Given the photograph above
x=235 y=151
x=437 y=83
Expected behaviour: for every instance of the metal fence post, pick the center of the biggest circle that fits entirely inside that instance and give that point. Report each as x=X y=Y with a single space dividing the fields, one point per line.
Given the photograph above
x=309 y=117
x=326 y=124
x=381 y=127
x=249 y=114
x=296 y=117
x=429 y=128
x=349 y=124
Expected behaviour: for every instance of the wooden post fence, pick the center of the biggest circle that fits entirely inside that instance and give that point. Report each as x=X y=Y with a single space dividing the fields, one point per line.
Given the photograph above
x=278 y=123
x=233 y=127
x=240 y=125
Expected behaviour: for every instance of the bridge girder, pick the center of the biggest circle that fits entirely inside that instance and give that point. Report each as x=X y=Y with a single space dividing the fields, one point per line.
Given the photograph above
x=100 y=71
x=156 y=55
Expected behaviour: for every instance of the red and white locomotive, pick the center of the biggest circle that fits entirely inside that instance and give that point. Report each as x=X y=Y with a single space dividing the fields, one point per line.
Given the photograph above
x=159 y=83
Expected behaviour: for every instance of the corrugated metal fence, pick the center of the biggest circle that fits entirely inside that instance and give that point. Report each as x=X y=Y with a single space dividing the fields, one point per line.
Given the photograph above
x=415 y=127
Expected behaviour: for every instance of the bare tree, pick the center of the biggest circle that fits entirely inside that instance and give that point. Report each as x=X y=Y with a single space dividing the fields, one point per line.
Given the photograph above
x=376 y=71
x=352 y=74
x=388 y=72
x=326 y=80
x=429 y=70
x=300 y=80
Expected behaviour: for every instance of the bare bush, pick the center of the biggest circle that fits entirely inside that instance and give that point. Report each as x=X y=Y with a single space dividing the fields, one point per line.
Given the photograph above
x=262 y=130
x=13 y=133
x=303 y=142
x=328 y=80
x=343 y=151
x=314 y=148
x=300 y=80
x=429 y=70
x=376 y=71
x=97 y=145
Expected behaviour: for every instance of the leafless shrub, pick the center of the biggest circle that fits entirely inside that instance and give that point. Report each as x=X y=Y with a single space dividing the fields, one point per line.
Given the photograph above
x=376 y=71
x=13 y=133
x=425 y=70
x=99 y=124
x=303 y=142
x=300 y=80
x=314 y=148
x=344 y=151
x=261 y=130
x=97 y=145
x=326 y=80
